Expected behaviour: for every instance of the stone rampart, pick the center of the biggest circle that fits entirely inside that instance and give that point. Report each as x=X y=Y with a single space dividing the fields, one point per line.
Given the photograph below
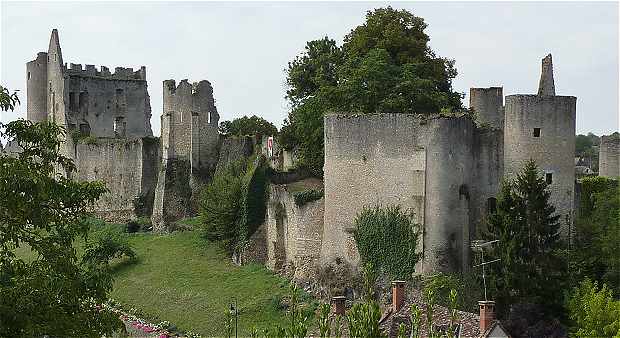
x=420 y=163
x=126 y=166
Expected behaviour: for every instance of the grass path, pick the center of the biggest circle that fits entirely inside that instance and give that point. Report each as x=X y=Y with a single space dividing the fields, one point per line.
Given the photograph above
x=189 y=282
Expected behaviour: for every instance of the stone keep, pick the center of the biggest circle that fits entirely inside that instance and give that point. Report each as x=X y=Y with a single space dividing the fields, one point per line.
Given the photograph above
x=609 y=156
x=190 y=143
x=447 y=170
x=107 y=116
x=542 y=127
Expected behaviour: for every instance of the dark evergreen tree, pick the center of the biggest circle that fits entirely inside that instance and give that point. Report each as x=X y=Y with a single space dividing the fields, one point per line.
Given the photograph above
x=531 y=269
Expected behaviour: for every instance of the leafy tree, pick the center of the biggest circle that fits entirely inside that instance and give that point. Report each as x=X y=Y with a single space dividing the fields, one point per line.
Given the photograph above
x=531 y=269
x=384 y=65
x=54 y=293
x=597 y=232
x=586 y=146
x=252 y=125
x=593 y=311
x=8 y=101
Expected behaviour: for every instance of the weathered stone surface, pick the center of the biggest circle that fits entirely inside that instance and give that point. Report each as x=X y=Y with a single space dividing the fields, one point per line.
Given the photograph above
x=127 y=166
x=609 y=156
x=552 y=118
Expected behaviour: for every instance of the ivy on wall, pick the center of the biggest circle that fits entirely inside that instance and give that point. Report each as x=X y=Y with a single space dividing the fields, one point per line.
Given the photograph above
x=387 y=238
x=305 y=196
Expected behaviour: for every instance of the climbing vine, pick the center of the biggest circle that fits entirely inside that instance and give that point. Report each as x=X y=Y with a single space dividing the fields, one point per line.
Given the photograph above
x=387 y=238
x=305 y=196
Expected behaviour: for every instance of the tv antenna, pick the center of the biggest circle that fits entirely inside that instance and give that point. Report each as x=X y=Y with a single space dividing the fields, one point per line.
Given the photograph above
x=479 y=246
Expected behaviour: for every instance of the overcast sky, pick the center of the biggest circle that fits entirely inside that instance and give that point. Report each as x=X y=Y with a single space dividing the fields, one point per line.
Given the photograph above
x=243 y=48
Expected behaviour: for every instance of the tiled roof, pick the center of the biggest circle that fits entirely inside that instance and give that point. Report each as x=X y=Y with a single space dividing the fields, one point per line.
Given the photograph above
x=468 y=322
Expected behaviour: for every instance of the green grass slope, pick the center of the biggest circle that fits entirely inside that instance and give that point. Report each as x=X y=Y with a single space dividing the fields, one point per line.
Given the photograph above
x=189 y=282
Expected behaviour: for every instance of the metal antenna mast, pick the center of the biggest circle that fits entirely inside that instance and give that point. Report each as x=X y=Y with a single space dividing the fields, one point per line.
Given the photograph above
x=479 y=245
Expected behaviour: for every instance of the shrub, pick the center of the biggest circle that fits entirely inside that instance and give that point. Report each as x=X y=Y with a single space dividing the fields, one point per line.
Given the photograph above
x=387 y=238
x=305 y=196
x=221 y=203
x=107 y=244
x=234 y=203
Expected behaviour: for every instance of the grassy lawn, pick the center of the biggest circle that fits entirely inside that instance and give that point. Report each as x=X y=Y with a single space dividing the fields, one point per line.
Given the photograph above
x=183 y=279
x=189 y=282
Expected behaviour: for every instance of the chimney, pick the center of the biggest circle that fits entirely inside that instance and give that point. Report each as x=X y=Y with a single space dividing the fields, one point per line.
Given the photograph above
x=398 y=295
x=546 y=85
x=338 y=305
x=487 y=314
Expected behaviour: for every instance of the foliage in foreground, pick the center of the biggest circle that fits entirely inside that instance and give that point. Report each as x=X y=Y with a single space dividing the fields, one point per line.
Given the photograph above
x=594 y=311
x=531 y=269
x=54 y=294
x=387 y=238
x=383 y=65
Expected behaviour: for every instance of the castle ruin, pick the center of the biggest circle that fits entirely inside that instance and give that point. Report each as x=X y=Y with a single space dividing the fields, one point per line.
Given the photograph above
x=446 y=169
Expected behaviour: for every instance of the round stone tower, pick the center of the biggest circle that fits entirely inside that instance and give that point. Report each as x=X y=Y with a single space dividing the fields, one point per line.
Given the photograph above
x=36 y=88
x=542 y=128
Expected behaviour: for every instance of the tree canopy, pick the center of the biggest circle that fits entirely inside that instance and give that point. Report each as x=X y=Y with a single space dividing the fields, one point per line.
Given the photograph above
x=384 y=66
x=253 y=125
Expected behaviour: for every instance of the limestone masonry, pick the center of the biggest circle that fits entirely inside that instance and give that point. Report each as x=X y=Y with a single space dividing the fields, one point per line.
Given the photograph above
x=446 y=169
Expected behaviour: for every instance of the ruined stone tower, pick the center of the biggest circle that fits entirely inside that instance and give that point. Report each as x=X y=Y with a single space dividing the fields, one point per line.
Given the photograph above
x=89 y=101
x=190 y=137
x=542 y=127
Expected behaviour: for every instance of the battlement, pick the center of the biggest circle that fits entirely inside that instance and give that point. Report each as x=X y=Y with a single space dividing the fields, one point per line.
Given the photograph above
x=200 y=88
x=120 y=73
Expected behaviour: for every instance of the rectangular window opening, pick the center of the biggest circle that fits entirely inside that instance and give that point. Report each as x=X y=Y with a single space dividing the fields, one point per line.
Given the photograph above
x=28 y=75
x=536 y=132
x=549 y=178
x=72 y=102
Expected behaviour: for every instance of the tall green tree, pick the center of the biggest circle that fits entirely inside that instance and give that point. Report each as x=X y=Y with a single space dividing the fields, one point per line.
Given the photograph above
x=41 y=211
x=531 y=268
x=253 y=125
x=384 y=65
x=594 y=253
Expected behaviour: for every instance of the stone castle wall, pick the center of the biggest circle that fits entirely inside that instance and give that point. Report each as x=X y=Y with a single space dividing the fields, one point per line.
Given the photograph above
x=408 y=160
x=127 y=166
x=488 y=171
x=293 y=234
x=609 y=156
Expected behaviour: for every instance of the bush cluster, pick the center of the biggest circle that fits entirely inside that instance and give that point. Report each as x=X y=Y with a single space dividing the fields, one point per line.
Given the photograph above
x=234 y=203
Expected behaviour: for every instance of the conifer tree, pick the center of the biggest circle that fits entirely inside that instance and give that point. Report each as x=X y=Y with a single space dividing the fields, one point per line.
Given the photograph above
x=530 y=270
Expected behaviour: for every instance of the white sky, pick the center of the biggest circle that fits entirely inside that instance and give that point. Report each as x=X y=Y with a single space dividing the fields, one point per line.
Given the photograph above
x=243 y=48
